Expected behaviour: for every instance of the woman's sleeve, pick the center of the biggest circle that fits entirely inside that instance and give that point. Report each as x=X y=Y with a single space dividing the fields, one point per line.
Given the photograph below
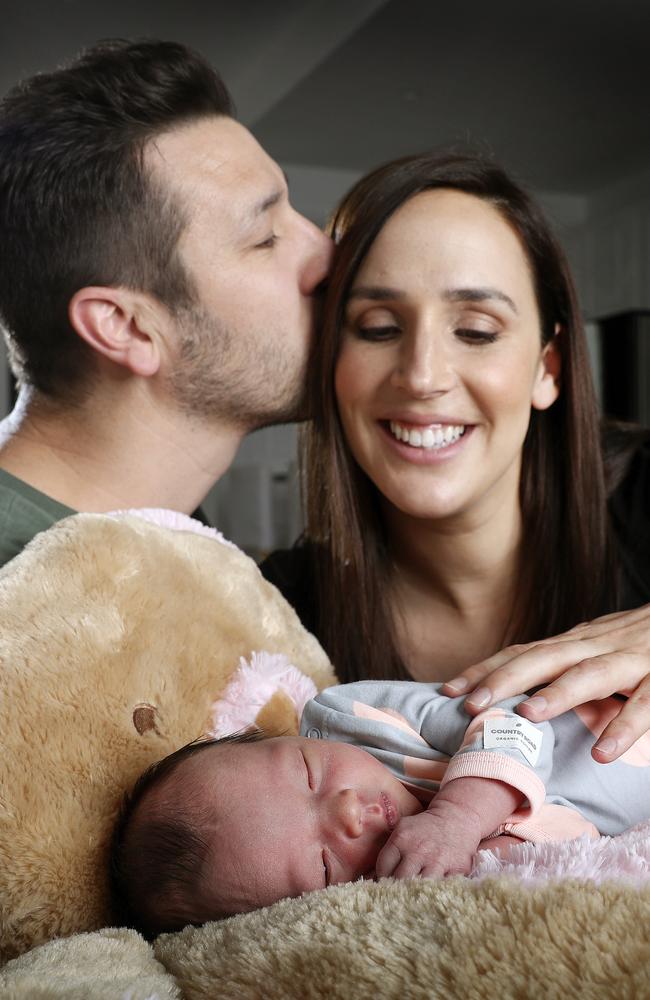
x=291 y=571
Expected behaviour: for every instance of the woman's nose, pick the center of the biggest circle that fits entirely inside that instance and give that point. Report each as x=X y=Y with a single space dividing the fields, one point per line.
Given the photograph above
x=347 y=812
x=422 y=367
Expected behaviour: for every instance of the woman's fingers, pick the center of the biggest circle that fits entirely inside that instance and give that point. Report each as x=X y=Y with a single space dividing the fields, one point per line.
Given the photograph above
x=632 y=722
x=525 y=668
x=472 y=677
x=590 y=662
x=622 y=631
x=590 y=680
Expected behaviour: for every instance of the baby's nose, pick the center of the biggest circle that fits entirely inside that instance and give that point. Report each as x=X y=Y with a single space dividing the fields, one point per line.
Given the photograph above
x=348 y=812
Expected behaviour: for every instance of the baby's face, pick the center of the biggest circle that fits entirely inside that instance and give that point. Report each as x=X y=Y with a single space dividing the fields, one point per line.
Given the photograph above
x=296 y=815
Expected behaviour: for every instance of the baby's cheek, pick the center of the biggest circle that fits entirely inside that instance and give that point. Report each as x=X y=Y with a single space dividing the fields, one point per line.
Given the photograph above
x=428 y=770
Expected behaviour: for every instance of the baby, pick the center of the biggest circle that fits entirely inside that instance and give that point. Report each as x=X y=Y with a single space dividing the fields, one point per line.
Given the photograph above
x=387 y=778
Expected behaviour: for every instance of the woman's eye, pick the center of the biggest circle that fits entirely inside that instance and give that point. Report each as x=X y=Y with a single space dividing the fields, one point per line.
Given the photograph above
x=377 y=333
x=476 y=336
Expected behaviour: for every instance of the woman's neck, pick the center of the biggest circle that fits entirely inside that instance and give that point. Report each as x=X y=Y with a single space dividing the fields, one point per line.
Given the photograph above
x=453 y=588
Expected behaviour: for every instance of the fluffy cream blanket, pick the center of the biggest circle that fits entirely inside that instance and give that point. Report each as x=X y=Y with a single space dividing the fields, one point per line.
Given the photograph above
x=527 y=931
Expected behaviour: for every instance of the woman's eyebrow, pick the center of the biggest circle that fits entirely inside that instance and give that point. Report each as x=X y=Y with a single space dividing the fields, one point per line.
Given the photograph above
x=479 y=295
x=380 y=293
x=376 y=293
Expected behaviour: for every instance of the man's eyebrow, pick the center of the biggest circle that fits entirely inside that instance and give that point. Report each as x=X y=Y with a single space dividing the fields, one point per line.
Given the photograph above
x=272 y=199
x=386 y=294
x=266 y=203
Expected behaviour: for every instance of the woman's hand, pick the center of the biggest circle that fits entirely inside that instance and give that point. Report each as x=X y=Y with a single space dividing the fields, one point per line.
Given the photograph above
x=593 y=661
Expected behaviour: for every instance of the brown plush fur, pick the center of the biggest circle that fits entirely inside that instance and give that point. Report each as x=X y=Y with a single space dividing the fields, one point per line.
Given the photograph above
x=116 y=638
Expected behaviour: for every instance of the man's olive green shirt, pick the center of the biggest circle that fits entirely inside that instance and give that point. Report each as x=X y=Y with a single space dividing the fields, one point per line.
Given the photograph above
x=24 y=512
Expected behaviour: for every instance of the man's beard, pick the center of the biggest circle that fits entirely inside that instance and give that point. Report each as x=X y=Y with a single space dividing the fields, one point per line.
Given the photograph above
x=223 y=376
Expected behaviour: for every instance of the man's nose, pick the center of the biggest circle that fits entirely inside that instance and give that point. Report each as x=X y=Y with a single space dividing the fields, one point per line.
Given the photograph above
x=319 y=260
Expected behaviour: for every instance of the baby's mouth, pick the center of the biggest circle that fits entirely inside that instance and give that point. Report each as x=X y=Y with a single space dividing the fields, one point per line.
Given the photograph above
x=390 y=811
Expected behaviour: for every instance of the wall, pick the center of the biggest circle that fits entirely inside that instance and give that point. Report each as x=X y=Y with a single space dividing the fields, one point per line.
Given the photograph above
x=610 y=249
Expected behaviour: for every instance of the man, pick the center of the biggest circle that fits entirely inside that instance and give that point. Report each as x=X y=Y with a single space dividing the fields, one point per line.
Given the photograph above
x=157 y=289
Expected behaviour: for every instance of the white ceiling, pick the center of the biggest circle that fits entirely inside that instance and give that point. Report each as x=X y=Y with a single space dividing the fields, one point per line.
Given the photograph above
x=560 y=91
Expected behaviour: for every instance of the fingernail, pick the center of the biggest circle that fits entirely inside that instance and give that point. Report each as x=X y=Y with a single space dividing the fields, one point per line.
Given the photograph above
x=537 y=704
x=480 y=698
x=458 y=684
x=606 y=746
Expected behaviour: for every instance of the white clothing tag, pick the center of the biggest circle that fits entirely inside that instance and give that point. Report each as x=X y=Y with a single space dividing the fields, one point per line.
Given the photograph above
x=515 y=734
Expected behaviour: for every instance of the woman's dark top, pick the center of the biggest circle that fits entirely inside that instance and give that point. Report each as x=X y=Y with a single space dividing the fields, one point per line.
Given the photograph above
x=292 y=570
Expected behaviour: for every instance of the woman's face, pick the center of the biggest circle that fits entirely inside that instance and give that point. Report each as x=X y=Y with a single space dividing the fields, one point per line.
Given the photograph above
x=441 y=358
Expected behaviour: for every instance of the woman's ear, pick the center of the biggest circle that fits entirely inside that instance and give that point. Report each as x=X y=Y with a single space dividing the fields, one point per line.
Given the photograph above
x=547 y=381
x=114 y=322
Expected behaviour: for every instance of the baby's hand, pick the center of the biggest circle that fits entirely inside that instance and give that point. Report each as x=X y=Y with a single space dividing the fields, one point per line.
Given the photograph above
x=440 y=841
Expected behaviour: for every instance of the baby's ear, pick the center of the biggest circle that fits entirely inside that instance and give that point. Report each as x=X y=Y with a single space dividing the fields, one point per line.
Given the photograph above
x=278 y=717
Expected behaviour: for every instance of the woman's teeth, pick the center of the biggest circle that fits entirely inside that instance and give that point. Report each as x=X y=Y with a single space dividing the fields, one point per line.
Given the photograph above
x=440 y=436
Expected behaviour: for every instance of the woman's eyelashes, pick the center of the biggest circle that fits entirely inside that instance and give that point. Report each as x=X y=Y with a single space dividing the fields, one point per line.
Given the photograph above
x=377 y=333
x=385 y=325
x=469 y=335
x=477 y=336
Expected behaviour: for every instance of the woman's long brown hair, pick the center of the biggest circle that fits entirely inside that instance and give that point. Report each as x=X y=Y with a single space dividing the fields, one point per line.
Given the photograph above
x=566 y=573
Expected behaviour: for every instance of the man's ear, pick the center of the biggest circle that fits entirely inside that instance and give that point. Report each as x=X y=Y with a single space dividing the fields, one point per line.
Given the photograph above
x=547 y=382
x=116 y=324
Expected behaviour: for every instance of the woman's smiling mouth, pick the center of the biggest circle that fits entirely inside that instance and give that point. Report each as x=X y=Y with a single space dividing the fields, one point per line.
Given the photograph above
x=433 y=436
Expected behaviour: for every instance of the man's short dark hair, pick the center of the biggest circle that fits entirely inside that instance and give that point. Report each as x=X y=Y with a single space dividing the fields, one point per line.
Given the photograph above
x=78 y=206
x=158 y=857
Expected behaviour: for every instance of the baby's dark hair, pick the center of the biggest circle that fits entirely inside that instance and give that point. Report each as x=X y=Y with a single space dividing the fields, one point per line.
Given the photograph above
x=159 y=855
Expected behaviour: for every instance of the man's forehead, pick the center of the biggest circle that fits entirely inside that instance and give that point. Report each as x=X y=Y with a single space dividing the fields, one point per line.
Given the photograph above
x=215 y=149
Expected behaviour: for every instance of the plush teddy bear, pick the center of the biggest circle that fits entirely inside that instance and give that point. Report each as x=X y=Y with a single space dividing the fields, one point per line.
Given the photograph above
x=117 y=638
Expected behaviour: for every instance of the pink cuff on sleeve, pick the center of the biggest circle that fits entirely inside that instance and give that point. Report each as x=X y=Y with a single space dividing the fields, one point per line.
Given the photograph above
x=488 y=764
x=552 y=822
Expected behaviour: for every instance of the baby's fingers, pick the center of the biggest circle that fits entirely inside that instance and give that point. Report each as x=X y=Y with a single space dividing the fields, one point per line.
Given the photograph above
x=393 y=862
x=388 y=860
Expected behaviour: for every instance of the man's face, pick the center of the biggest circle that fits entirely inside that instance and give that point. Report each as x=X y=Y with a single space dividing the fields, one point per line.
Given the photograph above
x=239 y=355
x=293 y=815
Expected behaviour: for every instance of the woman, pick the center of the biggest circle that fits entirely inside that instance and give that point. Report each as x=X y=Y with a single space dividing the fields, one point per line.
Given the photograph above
x=457 y=490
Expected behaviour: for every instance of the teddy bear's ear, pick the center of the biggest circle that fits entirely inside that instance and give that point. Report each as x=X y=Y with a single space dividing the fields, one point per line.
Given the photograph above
x=278 y=717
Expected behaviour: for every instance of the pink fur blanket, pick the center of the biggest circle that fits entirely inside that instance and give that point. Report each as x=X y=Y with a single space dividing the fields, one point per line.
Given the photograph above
x=623 y=858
